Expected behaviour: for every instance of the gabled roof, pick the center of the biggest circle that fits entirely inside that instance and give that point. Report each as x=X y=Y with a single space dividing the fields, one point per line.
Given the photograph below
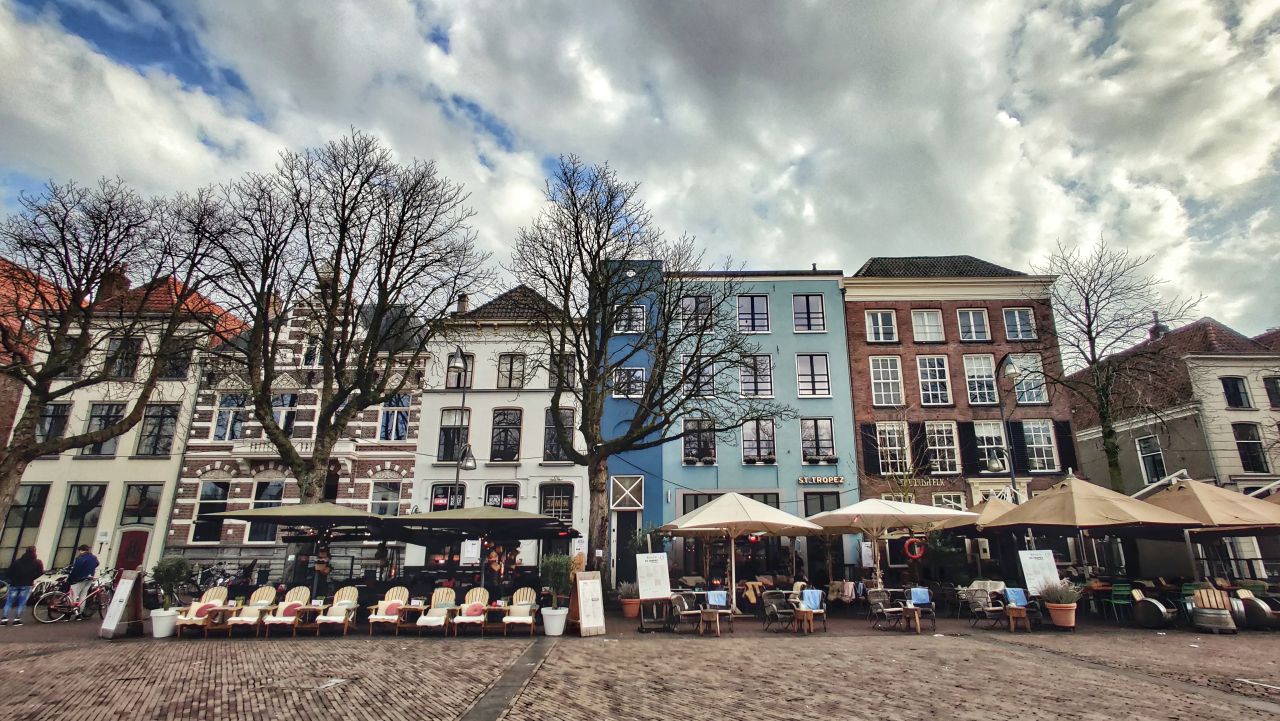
x=1269 y=340
x=519 y=303
x=1203 y=336
x=933 y=266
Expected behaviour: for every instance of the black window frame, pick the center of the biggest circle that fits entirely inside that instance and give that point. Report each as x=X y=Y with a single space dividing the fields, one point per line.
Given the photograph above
x=121 y=361
x=156 y=417
x=1237 y=397
x=27 y=509
x=505 y=434
x=287 y=415
x=457 y=380
x=1272 y=386
x=102 y=415
x=84 y=507
x=204 y=525
x=808 y=314
x=562 y=493
x=811 y=441
x=505 y=491
x=629 y=319
x=749 y=321
x=453 y=438
x=552 y=450
x=696 y=308
x=699 y=442
x=508 y=375
x=562 y=371
x=1254 y=460
x=760 y=447
x=813 y=381
x=628 y=382
x=265 y=531
x=454 y=495
x=133 y=510
x=751 y=384
x=53 y=421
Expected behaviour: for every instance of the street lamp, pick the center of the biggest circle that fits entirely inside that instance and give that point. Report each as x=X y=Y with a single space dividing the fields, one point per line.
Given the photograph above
x=994 y=464
x=466 y=459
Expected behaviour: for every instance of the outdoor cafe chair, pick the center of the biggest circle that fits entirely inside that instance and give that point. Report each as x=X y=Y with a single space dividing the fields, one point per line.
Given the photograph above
x=197 y=614
x=883 y=609
x=466 y=615
x=718 y=601
x=777 y=610
x=682 y=611
x=1121 y=598
x=982 y=607
x=341 y=612
x=815 y=601
x=286 y=614
x=1259 y=613
x=250 y=616
x=388 y=610
x=520 y=614
x=444 y=601
x=1018 y=597
x=1151 y=612
x=1211 y=610
x=922 y=598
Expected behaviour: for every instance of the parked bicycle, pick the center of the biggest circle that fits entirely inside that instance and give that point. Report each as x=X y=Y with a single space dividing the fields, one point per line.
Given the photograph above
x=58 y=605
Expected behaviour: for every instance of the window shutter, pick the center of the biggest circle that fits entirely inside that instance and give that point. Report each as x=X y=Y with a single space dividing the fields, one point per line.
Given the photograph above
x=1066 y=446
x=919 y=449
x=1018 y=442
x=870 y=450
x=970 y=463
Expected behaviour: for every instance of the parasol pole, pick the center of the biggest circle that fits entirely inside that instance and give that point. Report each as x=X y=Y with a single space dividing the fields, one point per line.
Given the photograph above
x=733 y=574
x=1191 y=554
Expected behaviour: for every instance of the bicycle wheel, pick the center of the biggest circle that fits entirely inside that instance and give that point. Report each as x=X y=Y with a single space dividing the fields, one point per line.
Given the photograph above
x=51 y=607
x=93 y=604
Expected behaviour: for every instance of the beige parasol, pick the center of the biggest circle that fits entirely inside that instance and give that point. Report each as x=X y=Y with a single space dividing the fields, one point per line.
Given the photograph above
x=1078 y=504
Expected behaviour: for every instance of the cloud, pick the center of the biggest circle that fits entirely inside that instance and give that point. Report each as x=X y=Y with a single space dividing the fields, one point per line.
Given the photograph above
x=780 y=133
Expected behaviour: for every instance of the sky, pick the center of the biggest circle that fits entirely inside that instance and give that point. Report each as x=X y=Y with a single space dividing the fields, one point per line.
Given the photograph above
x=778 y=133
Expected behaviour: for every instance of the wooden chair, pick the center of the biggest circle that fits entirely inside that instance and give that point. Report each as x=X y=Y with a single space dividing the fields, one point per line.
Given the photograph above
x=682 y=611
x=475 y=595
x=444 y=601
x=883 y=609
x=522 y=612
x=1258 y=612
x=388 y=610
x=1211 y=611
x=342 y=611
x=286 y=613
x=1151 y=612
x=250 y=616
x=197 y=614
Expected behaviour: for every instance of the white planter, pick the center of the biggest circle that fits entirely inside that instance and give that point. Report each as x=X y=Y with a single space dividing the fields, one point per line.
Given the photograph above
x=553 y=620
x=163 y=622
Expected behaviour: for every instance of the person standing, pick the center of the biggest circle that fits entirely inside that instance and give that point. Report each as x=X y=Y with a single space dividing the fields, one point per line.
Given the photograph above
x=82 y=572
x=22 y=576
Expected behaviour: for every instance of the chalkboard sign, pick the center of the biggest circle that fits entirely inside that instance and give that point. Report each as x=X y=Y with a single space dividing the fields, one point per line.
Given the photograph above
x=652 y=576
x=589 y=602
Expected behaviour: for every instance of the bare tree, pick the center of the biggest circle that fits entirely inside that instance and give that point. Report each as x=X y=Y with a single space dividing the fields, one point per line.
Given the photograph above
x=1105 y=304
x=367 y=255
x=622 y=297
x=100 y=289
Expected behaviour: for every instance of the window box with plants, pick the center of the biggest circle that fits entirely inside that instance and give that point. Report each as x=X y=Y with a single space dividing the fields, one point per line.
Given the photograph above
x=769 y=460
x=831 y=459
x=690 y=461
x=751 y=460
x=708 y=460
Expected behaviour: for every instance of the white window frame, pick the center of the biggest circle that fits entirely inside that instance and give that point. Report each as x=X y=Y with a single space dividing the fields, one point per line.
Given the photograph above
x=933 y=431
x=822 y=306
x=517 y=366
x=768 y=320
x=624 y=379
x=898 y=497
x=1031 y=388
x=874 y=330
x=395 y=503
x=984 y=376
x=886 y=379
x=388 y=410
x=984 y=448
x=1022 y=333
x=986 y=324
x=945 y=380
x=800 y=387
x=705 y=318
x=702 y=384
x=759 y=423
x=950 y=499
x=817 y=439
x=1142 y=462
x=752 y=374
x=1036 y=452
x=937 y=335
x=625 y=317
x=901 y=466
x=715 y=445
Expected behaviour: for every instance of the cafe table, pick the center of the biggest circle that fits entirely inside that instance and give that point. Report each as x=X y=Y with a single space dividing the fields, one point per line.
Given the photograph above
x=911 y=616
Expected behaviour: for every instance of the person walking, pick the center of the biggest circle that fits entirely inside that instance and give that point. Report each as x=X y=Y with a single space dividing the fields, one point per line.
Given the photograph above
x=22 y=576
x=82 y=572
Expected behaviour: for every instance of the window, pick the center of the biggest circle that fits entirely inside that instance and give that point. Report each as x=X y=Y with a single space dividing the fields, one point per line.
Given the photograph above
x=511 y=370
x=699 y=376
x=69 y=355
x=817 y=502
x=505 y=445
x=1041 y=450
x=990 y=436
x=891 y=443
x=556 y=501
x=447 y=496
x=560 y=374
x=882 y=327
x=756 y=377
x=213 y=499
x=284 y=409
x=176 y=364
x=700 y=439
x=695 y=312
x=886 y=381
x=629 y=319
x=954 y=501
x=462 y=378
x=141 y=504
x=944 y=451
x=502 y=495
x=552 y=450
x=53 y=423
x=102 y=415
x=159 y=423
x=973 y=324
x=266 y=494
x=753 y=313
x=1019 y=324
x=313 y=356
x=757 y=438
x=1151 y=458
x=455 y=426
x=22 y=523
x=1249 y=444
x=980 y=379
x=812 y=375
x=229 y=424
x=1272 y=384
x=628 y=383
x=393 y=425
x=1030 y=387
x=935 y=382
x=808 y=313
x=898 y=497
x=1236 y=391
x=384 y=498
x=122 y=357
x=926 y=326
x=80 y=523
x=817 y=440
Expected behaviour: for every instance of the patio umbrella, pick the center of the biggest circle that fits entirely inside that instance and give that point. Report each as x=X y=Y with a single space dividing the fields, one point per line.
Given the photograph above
x=988 y=511
x=875 y=517
x=1078 y=504
x=1215 y=506
x=732 y=515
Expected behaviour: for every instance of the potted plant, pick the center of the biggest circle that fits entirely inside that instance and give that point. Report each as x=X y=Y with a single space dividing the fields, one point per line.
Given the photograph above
x=629 y=595
x=554 y=569
x=690 y=461
x=831 y=459
x=813 y=459
x=1060 y=599
x=708 y=460
x=770 y=460
x=168 y=573
x=750 y=460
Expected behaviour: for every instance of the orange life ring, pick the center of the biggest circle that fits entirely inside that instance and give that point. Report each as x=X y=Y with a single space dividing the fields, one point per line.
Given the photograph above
x=914 y=548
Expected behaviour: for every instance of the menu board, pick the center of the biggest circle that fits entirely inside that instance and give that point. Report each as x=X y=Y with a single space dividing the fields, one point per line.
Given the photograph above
x=120 y=600
x=652 y=576
x=590 y=593
x=868 y=555
x=470 y=552
x=1039 y=570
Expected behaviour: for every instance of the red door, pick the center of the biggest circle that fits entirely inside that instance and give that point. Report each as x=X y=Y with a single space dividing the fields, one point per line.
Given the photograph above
x=133 y=550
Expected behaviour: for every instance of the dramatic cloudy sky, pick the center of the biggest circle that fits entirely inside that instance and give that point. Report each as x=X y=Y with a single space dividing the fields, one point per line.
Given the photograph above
x=782 y=133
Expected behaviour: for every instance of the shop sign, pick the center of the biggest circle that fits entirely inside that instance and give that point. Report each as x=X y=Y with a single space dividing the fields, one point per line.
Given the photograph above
x=820 y=480
x=923 y=482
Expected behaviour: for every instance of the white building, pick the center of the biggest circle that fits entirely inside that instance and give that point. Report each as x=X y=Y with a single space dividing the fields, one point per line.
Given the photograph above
x=504 y=418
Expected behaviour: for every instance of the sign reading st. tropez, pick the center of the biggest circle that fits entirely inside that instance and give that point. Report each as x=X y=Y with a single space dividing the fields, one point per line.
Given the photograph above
x=820 y=480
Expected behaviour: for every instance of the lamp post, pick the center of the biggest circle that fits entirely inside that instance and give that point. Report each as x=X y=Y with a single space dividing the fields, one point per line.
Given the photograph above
x=466 y=459
x=1013 y=373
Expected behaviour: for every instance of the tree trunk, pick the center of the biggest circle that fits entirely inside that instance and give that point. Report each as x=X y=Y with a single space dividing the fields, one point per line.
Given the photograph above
x=598 y=518
x=1111 y=447
x=19 y=454
x=311 y=485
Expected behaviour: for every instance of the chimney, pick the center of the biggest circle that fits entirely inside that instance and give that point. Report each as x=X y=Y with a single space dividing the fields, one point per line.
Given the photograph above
x=815 y=267
x=1158 y=329
x=113 y=283
x=464 y=303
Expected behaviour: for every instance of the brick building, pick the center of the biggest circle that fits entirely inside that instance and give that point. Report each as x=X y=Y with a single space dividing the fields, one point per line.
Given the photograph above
x=930 y=340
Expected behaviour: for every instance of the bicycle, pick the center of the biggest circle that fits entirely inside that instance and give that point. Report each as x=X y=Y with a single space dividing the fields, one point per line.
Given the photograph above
x=59 y=606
